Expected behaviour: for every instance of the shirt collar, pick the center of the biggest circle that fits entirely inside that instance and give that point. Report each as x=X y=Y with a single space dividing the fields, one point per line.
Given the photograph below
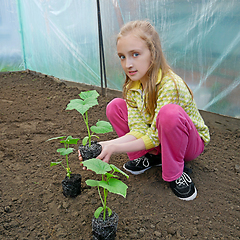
x=137 y=84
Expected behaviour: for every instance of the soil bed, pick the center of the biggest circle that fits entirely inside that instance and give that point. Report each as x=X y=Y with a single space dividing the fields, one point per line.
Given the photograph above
x=32 y=205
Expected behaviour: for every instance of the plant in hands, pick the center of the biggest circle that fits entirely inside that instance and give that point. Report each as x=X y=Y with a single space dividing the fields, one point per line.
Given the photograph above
x=88 y=100
x=65 y=151
x=109 y=182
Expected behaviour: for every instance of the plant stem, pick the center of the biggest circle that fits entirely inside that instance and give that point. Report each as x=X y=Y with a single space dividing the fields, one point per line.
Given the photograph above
x=86 y=122
x=100 y=196
x=68 y=168
x=63 y=167
x=105 y=193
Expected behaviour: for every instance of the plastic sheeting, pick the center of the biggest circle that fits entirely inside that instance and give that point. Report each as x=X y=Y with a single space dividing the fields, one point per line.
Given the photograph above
x=11 y=57
x=201 y=40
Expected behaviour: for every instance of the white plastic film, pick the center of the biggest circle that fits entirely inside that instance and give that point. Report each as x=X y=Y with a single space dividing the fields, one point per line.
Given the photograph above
x=200 y=38
x=11 y=58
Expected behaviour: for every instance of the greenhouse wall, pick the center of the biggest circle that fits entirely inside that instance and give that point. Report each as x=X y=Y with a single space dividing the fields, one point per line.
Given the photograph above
x=200 y=38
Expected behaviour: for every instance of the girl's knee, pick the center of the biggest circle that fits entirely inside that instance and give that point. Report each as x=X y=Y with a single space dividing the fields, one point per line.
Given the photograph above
x=169 y=115
x=114 y=105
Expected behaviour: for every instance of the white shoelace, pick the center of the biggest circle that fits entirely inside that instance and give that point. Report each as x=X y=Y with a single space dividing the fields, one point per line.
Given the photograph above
x=183 y=180
x=144 y=159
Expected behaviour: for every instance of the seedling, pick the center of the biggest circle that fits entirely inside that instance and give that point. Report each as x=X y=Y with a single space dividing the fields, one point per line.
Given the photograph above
x=64 y=151
x=109 y=182
x=88 y=100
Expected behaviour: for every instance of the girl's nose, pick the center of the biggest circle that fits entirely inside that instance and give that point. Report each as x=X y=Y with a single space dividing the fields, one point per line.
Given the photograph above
x=129 y=63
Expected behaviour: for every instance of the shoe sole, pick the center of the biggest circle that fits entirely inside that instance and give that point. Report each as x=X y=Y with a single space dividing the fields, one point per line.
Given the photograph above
x=191 y=197
x=141 y=171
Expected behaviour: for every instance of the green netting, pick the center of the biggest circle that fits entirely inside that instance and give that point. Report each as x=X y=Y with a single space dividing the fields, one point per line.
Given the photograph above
x=201 y=40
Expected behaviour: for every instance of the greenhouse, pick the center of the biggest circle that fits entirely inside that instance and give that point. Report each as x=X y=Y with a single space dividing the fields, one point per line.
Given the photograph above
x=61 y=38
x=56 y=53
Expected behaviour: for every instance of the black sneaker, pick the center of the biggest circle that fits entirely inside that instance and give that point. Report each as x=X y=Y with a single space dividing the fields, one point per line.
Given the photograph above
x=140 y=165
x=184 y=188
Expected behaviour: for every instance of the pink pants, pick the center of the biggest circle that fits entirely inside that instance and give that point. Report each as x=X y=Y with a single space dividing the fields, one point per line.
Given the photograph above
x=179 y=139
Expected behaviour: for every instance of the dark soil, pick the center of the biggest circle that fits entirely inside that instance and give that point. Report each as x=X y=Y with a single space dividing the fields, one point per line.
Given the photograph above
x=88 y=152
x=72 y=186
x=105 y=229
x=32 y=205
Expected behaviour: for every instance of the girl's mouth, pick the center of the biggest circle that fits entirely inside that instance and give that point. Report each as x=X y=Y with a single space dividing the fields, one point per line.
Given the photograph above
x=131 y=73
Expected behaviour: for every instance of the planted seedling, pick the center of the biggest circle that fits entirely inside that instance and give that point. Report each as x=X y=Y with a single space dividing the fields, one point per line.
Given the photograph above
x=87 y=100
x=72 y=183
x=109 y=183
x=64 y=151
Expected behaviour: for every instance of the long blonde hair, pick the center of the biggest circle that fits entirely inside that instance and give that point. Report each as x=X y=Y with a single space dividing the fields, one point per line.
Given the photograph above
x=145 y=31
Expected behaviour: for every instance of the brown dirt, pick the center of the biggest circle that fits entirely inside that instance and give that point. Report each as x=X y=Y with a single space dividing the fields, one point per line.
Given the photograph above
x=32 y=205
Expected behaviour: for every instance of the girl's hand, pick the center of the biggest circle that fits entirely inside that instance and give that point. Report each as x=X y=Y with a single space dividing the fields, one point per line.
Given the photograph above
x=104 y=155
x=80 y=159
x=107 y=151
x=105 y=143
x=79 y=156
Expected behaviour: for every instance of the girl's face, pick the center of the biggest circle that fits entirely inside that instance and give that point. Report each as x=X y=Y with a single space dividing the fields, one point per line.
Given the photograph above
x=135 y=57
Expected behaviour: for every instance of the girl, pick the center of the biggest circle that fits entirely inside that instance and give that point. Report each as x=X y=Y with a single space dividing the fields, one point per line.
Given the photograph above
x=157 y=120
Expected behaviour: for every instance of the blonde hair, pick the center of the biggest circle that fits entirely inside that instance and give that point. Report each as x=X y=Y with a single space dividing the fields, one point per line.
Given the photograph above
x=145 y=31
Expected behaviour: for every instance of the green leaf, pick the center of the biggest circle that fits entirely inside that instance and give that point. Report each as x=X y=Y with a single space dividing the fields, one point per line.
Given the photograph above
x=115 y=186
x=109 y=175
x=98 y=212
x=90 y=102
x=89 y=94
x=77 y=104
x=73 y=104
x=85 y=140
x=71 y=140
x=54 y=163
x=82 y=106
x=109 y=211
x=54 y=138
x=64 y=151
x=92 y=183
x=102 y=127
x=116 y=169
x=97 y=165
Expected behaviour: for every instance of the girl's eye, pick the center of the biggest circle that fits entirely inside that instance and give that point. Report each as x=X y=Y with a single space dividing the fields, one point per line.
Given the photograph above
x=135 y=54
x=121 y=57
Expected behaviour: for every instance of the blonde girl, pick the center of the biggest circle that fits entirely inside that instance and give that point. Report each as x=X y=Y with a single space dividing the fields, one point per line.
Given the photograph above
x=157 y=121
